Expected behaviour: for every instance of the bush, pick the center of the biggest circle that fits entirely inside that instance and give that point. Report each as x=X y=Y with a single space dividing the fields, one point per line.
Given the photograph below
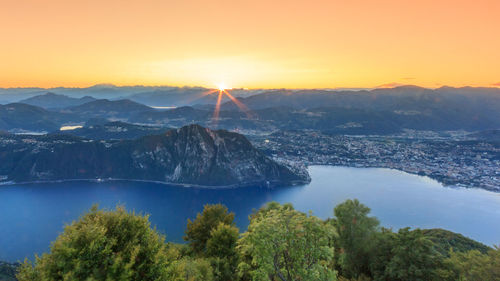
x=103 y=245
x=221 y=248
x=284 y=244
x=187 y=269
x=198 y=231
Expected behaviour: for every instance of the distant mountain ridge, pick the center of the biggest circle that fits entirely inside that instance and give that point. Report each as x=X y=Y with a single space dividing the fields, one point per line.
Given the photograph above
x=398 y=98
x=148 y=95
x=20 y=116
x=25 y=117
x=104 y=108
x=411 y=107
x=378 y=111
x=191 y=155
x=115 y=131
x=54 y=101
x=337 y=120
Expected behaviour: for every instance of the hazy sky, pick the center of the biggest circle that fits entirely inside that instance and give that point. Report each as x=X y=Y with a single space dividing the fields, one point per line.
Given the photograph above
x=296 y=44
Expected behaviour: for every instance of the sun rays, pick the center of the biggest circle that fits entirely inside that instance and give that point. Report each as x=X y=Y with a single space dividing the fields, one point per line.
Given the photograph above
x=200 y=96
x=217 y=107
x=239 y=104
x=224 y=92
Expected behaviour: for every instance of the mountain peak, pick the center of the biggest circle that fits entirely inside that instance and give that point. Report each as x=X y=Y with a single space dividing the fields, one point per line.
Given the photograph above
x=193 y=128
x=410 y=87
x=189 y=156
x=51 y=100
x=51 y=94
x=103 y=85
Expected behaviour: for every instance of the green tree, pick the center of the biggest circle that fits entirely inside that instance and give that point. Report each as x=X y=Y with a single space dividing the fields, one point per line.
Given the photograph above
x=446 y=240
x=415 y=258
x=198 y=231
x=356 y=234
x=103 y=245
x=222 y=241
x=381 y=254
x=287 y=245
x=495 y=262
x=221 y=248
x=472 y=266
x=189 y=269
x=467 y=266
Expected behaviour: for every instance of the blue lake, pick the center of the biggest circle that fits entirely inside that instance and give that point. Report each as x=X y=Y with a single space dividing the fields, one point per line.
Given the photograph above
x=32 y=215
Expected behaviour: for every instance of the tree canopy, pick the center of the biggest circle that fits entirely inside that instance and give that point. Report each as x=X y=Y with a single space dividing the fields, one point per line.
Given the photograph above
x=103 y=245
x=356 y=237
x=198 y=231
x=414 y=257
x=280 y=244
x=288 y=245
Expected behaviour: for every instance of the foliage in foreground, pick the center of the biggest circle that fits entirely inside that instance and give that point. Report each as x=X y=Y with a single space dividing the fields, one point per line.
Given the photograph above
x=103 y=245
x=199 y=231
x=284 y=244
x=281 y=244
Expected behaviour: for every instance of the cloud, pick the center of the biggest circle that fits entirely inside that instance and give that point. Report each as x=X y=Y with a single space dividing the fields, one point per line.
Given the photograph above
x=408 y=78
x=496 y=84
x=390 y=85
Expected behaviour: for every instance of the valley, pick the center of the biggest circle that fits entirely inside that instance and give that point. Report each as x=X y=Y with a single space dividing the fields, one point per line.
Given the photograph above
x=448 y=134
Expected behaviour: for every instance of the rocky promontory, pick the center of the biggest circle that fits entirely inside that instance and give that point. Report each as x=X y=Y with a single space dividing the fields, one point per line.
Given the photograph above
x=191 y=155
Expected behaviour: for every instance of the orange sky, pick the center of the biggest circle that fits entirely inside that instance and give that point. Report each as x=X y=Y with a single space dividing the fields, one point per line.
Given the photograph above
x=254 y=44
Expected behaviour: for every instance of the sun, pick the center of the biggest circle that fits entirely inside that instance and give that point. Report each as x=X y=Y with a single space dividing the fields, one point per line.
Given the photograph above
x=221 y=86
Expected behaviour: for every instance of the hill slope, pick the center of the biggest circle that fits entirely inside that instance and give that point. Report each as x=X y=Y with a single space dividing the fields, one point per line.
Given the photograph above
x=108 y=109
x=51 y=100
x=19 y=116
x=446 y=240
x=190 y=155
x=115 y=131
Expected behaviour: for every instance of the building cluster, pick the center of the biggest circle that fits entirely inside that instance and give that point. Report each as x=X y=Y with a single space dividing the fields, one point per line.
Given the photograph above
x=452 y=161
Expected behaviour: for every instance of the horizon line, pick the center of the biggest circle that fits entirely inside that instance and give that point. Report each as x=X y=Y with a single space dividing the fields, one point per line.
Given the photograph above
x=382 y=86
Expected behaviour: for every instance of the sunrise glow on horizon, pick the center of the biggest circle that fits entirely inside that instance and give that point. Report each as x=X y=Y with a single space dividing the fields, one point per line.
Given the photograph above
x=250 y=44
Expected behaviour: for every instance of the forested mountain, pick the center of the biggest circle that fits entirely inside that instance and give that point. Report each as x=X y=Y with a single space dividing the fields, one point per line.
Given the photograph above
x=22 y=116
x=446 y=240
x=108 y=109
x=54 y=101
x=189 y=155
x=379 y=111
x=103 y=91
x=338 y=120
x=398 y=98
x=149 y=95
x=407 y=106
x=114 y=131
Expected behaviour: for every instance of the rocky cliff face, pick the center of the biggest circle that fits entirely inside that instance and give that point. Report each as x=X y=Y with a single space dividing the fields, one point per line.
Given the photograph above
x=198 y=155
x=191 y=155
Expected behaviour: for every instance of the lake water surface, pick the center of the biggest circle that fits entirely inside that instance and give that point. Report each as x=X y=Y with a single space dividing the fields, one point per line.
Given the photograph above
x=32 y=215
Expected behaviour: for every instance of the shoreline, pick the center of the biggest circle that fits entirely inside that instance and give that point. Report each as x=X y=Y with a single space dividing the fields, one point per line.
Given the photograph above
x=438 y=179
x=259 y=184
